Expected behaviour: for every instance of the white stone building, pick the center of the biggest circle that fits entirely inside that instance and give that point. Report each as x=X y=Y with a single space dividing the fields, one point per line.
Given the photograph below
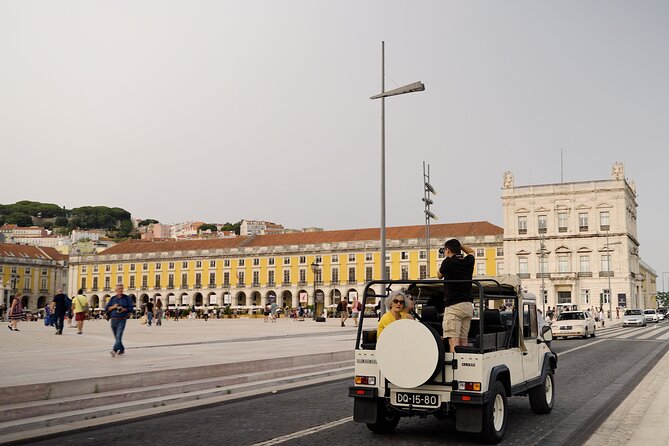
x=575 y=241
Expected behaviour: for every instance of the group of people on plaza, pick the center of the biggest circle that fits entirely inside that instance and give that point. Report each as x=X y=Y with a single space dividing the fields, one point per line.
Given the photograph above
x=345 y=310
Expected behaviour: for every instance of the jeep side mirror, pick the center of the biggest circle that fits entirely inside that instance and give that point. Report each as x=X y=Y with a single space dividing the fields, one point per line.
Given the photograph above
x=547 y=334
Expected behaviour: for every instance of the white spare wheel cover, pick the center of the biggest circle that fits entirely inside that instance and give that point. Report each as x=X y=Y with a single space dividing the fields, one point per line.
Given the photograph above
x=408 y=353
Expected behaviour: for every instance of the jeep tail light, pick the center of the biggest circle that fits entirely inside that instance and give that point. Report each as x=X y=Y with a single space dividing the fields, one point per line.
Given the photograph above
x=469 y=385
x=365 y=380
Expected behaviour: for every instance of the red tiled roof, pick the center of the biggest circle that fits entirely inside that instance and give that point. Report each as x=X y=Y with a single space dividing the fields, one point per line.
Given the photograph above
x=29 y=251
x=456 y=230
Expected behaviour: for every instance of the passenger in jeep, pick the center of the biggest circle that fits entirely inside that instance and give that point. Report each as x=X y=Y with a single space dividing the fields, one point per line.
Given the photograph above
x=458 y=296
x=395 y=303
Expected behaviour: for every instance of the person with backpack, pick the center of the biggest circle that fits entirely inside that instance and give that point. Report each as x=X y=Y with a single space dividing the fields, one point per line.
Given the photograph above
x=80 y=308
x=59 y=307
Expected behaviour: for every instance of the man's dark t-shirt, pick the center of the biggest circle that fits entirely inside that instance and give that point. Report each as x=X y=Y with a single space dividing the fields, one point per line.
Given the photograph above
x=457 y=268
x=149 y=307
x=61 y=303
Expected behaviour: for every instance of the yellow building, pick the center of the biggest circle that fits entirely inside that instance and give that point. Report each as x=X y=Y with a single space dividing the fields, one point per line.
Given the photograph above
x=33 y=271
x=289 y=269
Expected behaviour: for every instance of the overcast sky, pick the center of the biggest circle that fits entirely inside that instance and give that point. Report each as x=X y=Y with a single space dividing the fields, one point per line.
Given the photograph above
x=222 y=110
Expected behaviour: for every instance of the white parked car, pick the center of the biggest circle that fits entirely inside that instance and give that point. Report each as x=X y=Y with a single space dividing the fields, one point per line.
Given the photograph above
x=651 y=315
x=574 y=323
x=634 y=317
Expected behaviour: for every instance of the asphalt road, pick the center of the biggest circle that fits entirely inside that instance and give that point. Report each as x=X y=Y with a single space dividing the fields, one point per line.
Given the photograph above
x=592 y=378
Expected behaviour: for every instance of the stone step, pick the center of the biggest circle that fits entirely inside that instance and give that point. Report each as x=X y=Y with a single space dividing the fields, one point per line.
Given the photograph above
x=53 y=423
x=93 y=385
x=72 y=403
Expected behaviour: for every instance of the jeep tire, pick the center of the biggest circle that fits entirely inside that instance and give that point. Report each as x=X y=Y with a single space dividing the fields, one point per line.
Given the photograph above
x=543 y=395
x=495 y=415
x=385 y=421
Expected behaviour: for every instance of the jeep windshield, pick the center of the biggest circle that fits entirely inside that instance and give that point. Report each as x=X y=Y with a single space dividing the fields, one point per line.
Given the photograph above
x=571 y=317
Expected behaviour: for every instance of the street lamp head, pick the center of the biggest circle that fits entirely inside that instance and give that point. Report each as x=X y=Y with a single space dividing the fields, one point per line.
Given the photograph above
x=430 y=189
x=409 y=88
x=427 y=201
x=429 y=214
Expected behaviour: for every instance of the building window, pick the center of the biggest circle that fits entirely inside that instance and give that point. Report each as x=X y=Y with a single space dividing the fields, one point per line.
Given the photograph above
x=83 y=269
x=156 y=282
x=270 y=261
x=422 y=255
x=170 y=281
x=584 y=264
x=226 y=278
x=184 y=265
x=95 y=283
x=241 y=262
x=542 y=224
x=44 y=282
x=270 y=278
x=145 y=266
x=226 y=263
x=543 y=265
x=119 y=279
x=95 y=268
x=119 y=267
x=83 y=283
x=170 y=265
x=44 y=272
x=480 y=252
x=240 y=278
x=562 y=221
x=212 y=280
x=286 y=277
x=303 y=260
x=563 y=264
x=303 y=275
x=256 y=278
x=131 y=285
x=256 y=262
x=198 y=264
x=107 y=268
x=500 y=252
x=351 y=275
x=500 y=268
x=604 y=221
x=606 y=263
x=522 y=265
x=369 y=273
x=522 y=224
x=404 y=271
x=583 y=221
x=422 y=271
x=441 y=254
x=585 y=296
x=319 y=259
x=212 y=264
x=158 y=266
x=351 y=257
x=335 y=276
x=480 y=268
x=368 y=257
x=335 y=258
x=286 y=260
x=184 y=280
x=404 y=255
x=145 y=281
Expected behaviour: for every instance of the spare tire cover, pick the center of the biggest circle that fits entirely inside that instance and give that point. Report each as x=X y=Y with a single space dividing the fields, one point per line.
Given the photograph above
x=408 y=353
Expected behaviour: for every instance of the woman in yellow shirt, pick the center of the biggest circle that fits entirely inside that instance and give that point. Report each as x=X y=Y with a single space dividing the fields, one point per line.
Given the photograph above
x=395 y=303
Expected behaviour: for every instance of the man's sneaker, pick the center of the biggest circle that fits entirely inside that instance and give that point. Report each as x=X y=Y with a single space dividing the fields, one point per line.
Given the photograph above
x=121 y=353
x=113 y=353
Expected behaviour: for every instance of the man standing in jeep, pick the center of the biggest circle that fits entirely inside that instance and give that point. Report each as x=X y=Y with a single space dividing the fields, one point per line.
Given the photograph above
x=457 y=296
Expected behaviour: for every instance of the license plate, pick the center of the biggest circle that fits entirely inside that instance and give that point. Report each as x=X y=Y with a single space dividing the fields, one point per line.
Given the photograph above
x=565 y=327
x=417 y=399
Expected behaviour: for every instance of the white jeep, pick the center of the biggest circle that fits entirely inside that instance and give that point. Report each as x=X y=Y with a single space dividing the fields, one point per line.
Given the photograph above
x=409 y=371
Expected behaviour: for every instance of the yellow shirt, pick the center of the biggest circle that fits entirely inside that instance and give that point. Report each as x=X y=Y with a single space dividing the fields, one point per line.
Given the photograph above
x=388 y=319
x=78 y=303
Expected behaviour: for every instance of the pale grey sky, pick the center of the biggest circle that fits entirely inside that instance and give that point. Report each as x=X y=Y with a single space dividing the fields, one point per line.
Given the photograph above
x=221 y=110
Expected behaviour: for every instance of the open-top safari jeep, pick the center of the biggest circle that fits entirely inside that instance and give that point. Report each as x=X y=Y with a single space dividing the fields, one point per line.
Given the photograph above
x=409 y=371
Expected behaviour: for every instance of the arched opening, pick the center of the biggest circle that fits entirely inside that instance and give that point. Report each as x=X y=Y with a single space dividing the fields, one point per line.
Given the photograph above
x=171 y=300
x=212 y=299
x=255 y=298
x=134 y=299
x=271 y=297
x=335 y=297
x=184 y=300
x=286 y=299
x=105 y=299
x=25 y=301
x=144 y=299
x=41 y=302
x=241 y=299
x=198 y=299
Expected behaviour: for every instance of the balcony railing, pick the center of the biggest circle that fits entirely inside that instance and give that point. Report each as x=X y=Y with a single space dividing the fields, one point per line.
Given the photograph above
x=271 y=283
x=43 y=290
x=170 y=286
x=184 y=286
x=285 y=283
x=256 y=284
x=212 y=285
x=352 y=281
x=157 y=287
x=524 y=275
x=544 y=275
x=583 y=229
x=107 y=288
x=585 y=274
x=522 y=231
x=563 y=276
x=198 y=286
x=302 y=283
x=319 y=283
x=240 y=284
x=606 y=274
x=562 y=229
x=334 y=282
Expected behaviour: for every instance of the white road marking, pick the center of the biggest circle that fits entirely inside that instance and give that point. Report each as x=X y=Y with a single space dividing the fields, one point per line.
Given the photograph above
x=653 y=332
x=590 y=344
x=664 y=337
x=304 y=433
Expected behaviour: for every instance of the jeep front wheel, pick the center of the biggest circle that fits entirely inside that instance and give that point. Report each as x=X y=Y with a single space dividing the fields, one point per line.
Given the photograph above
x=385 y=420
x=542 y=396
x=494 y=415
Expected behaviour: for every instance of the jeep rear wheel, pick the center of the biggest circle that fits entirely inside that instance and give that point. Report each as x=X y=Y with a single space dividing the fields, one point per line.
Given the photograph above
x=542 y=396
x=385 y=420
x=495 y=415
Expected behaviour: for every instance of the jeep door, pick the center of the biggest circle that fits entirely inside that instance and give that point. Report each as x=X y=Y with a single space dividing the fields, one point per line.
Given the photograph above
x=531 y=365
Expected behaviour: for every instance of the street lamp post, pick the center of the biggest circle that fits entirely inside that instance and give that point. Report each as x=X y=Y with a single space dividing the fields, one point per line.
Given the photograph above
x=314 y=269
x=427 y=190
x=410 y=88
x=543 y=288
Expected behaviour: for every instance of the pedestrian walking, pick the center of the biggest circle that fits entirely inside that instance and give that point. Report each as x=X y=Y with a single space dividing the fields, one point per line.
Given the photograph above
x=272 y=311
x=80 y=309
x=149 y=312
x=59 y=307
x=159 y=313
x=355 y=311
x=342 y=307
x=120 y=308
x=16 y=313
x=601 y=316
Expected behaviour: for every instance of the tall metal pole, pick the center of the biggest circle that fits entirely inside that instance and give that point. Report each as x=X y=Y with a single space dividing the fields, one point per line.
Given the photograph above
x=384 y=276
x=608 y=252
x=543 y=288
x=427 y=216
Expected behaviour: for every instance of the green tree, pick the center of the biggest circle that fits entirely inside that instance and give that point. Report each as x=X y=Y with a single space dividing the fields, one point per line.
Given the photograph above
x=663 y=299
x=232 y=227
x=61 y=221
x=147 y=222
x=125 y=229
x=209 y=227
x=20 y=219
